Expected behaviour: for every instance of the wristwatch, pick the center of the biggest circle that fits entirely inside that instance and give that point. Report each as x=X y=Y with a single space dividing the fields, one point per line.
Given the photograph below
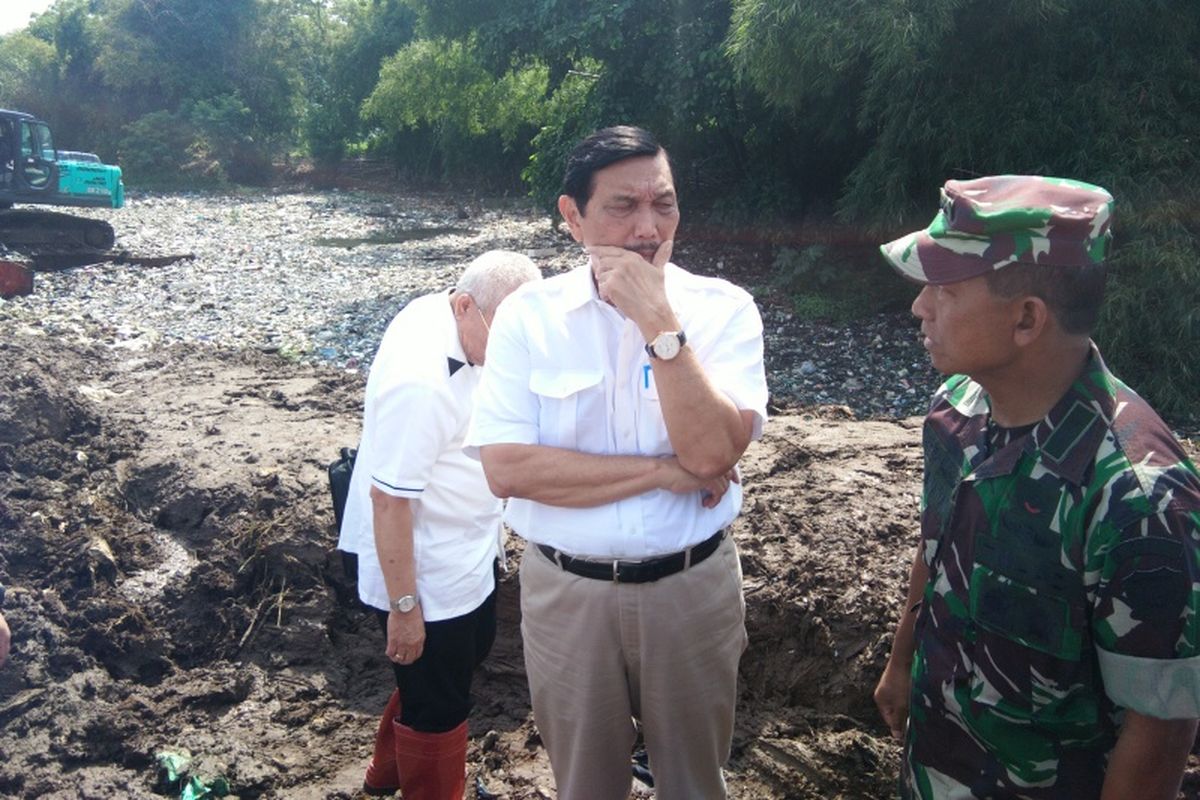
x=666 y=345
x=405 y=604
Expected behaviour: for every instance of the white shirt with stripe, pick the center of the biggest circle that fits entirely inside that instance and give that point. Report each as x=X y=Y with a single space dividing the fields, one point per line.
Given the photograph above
x=565 y=369
x=417 y=407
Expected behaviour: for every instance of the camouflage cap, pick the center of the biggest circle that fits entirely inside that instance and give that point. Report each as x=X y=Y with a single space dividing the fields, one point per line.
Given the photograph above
x=989 y=223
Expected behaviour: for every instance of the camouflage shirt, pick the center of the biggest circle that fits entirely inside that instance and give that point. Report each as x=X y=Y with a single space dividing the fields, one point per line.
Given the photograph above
x=1064 y=587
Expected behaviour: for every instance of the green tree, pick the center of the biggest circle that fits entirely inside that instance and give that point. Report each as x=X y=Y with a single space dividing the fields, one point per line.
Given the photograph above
x=27 y=72
x=188 y=57
x=660 y=65
x=922 y=91
x=442 y=86
x=356 y=37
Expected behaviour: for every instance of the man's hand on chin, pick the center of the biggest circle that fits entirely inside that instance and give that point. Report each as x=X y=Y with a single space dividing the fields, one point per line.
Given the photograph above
x=630 y=282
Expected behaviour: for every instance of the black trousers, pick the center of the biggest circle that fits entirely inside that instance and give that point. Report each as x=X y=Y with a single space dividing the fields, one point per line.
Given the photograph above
x=435 y=690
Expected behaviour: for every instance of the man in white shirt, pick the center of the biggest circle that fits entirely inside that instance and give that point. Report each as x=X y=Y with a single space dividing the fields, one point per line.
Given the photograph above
x=426 y=528
x=616 y=403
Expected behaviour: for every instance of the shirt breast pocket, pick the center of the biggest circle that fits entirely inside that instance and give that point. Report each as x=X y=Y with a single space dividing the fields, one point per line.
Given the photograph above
x=565 y=397
x=1030 y=662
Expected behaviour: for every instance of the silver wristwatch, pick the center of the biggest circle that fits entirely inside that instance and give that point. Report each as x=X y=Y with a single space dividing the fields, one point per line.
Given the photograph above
x=405 y=604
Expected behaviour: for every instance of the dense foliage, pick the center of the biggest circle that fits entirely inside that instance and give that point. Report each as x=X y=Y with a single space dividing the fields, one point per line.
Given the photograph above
x=915 y=92
x=778 y=113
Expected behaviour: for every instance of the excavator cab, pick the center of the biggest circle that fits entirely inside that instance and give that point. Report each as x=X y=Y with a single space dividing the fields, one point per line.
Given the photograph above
x=38 y=159
x=33 y=171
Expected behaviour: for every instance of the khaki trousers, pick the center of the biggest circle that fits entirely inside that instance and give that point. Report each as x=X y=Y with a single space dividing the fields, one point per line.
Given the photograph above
x=599 y=653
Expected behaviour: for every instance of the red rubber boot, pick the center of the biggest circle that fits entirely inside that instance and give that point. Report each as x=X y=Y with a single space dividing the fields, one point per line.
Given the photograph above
x=432 y=766
x=382 y=777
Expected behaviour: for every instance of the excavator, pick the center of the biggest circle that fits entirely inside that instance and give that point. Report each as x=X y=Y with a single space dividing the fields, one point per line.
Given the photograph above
x=33 y=172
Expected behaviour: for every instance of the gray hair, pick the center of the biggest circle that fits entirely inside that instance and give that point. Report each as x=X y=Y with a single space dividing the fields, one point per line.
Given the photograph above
x=494 y=275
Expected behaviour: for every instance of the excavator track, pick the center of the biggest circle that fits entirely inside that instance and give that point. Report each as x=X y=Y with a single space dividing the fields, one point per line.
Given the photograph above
x=50 y=232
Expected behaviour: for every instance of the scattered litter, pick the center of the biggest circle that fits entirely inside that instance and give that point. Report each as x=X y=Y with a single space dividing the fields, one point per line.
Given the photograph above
x=174 y=776
x=255 y=277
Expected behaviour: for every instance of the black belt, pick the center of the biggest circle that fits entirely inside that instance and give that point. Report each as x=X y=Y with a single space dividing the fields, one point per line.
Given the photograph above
x=651 y=569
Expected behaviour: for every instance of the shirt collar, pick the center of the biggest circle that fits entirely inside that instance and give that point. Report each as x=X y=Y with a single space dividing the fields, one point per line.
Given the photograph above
x=1066 y=439
x=454 y=349
x=580 y=288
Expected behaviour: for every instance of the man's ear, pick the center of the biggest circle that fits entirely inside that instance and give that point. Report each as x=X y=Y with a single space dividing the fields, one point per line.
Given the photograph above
x=1033 y=316
x=570 y=213
x=461 y=303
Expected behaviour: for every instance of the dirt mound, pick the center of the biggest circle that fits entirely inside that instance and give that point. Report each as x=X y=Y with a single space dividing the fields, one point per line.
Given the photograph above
x=166 y=537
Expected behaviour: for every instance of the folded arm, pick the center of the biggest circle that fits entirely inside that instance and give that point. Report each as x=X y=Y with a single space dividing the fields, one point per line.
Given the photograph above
x=707 y=431
x=567 y=478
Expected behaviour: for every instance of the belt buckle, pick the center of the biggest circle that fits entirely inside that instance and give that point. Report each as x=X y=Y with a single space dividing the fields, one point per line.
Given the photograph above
x=616 y=570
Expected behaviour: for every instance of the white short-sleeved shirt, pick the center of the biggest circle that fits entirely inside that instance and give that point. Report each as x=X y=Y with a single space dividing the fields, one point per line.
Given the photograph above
x=565 y=369
x=417 y=406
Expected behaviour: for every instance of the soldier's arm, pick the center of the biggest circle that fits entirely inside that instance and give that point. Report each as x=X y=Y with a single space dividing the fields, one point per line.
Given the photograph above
x=892 y=692
x=1149 y=758
x=1149 y=668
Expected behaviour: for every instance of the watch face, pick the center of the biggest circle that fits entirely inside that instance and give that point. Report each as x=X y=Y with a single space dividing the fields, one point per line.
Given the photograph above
x=666 y=346
x=405 y=604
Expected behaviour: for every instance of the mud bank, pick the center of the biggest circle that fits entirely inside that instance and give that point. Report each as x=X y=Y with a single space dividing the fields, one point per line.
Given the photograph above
x=168 y=546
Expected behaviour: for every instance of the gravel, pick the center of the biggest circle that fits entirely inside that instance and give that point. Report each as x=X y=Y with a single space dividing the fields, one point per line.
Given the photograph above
x=318 y=275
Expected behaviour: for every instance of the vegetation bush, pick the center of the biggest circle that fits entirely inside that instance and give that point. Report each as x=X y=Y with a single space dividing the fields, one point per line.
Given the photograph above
x=917 y=93
x=157 y=152
x=226 y=133
x=441 y=86
x=1150 y=326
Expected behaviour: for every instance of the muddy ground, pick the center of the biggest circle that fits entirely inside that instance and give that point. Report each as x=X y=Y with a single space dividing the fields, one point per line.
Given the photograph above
x=167 y=540
x=168 y=544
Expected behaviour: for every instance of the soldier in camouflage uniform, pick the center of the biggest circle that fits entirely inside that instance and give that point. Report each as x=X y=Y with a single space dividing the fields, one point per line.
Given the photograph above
x=1050 y=643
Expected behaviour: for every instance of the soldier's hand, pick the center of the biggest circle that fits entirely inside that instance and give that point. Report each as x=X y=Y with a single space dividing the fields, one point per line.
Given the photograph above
x=632 y=284
x=406 y=636
x=891 y=697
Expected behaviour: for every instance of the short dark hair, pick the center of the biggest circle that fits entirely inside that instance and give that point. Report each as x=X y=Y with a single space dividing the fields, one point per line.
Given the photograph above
x=603 y=148
x=1073 y=294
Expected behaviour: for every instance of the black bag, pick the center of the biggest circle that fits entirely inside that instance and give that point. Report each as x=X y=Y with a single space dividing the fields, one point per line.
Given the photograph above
x=339 y=482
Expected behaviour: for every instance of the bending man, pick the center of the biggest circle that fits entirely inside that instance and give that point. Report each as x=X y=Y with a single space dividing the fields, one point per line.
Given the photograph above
x=426 y=529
